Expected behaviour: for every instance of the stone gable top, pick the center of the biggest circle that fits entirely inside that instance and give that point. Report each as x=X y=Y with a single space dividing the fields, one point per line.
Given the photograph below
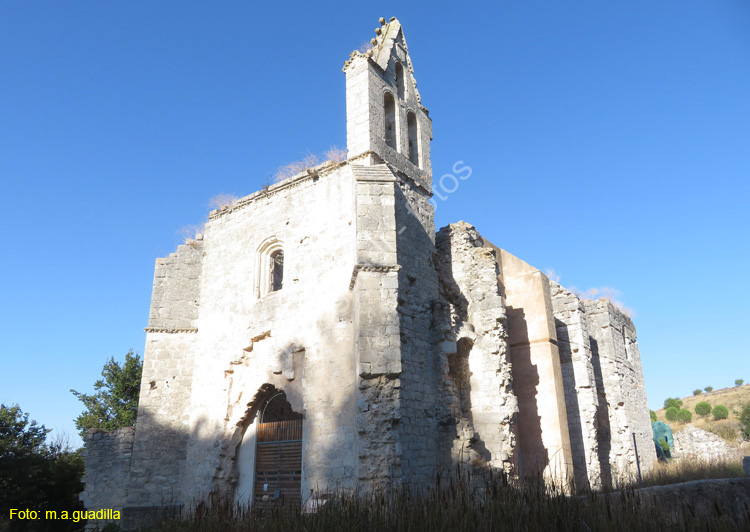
x=389 y=44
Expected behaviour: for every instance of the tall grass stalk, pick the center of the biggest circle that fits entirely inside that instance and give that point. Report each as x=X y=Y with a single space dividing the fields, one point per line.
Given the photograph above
x=478 y=503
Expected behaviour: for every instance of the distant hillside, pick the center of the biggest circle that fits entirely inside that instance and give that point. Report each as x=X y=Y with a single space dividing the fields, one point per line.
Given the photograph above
x=733 y=398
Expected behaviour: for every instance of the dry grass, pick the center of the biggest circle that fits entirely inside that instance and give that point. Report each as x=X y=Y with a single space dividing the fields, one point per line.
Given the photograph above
x=223 y=200
x=292 y=169
x=191 y=233
x=336 y=154
x=691 y=468
x=482 y=503
x=310 y=160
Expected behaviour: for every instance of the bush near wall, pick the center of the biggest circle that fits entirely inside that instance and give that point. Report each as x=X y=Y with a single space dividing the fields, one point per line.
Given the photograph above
x=684 y=416
x=671 y=413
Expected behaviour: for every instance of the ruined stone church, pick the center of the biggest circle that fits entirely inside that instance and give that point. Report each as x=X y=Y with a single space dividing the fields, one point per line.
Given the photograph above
x=320 y=335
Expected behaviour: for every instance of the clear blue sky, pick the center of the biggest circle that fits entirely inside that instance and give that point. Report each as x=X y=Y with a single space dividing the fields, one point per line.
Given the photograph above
x=608 y=141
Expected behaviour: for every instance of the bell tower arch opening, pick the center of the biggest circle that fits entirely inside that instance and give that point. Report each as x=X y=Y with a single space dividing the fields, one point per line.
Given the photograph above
x=400 y=84
x=380 y=90
x=413 y=137
x=391 y=128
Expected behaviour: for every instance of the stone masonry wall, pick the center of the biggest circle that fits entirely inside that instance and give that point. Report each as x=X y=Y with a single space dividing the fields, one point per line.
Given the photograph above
x=542 y=428
x=156 y=470
x=201 y=384
x=108 y=456
x=378 y=342
x=418 y=289
x=176 y=294
x=623 y=408
x=474 y=351
x=579 y=383
x=693 y=443
x=166 y=384
x=299 y=339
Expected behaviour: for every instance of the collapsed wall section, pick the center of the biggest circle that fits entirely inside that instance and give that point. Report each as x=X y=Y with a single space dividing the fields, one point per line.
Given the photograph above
x=473 y=352
x=108 y=457
x=176 y=293
x=622 y=409
x=579 y=383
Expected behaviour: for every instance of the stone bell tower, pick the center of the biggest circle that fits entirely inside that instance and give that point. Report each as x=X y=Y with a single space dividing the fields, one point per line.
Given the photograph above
x=384 y=112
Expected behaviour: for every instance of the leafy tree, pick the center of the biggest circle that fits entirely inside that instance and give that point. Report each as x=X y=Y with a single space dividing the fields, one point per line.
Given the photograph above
x=697 y=392
x=35 y=475
x=721 y=412
x=653 y=415
x=709 y=388
x=671 y=413
x=739 y=382
x=114 y=404
x=745 y=420
x=22 y=458
x=672 y=402
x=684 y=416
x=703 y=408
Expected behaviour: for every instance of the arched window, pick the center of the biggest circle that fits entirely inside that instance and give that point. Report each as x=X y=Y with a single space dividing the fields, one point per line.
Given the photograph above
x=276 y=277
x=269 y=268
x=400 y=81
x=411 y=126
x=390 y=120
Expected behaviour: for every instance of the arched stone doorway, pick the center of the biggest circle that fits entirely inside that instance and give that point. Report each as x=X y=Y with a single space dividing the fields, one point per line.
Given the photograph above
x=269 y=458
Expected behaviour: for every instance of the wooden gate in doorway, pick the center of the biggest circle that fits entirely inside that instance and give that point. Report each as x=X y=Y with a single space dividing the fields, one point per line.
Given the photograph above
x=278 y=464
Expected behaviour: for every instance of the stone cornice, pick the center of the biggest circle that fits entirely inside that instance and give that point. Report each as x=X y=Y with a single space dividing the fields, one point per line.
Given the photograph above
x=383 y=268
x=170 y=331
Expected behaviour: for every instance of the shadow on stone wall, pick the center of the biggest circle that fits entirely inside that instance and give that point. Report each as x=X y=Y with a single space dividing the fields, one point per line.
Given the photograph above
x=533 y=456
x=575 y=429
x=603 y=430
